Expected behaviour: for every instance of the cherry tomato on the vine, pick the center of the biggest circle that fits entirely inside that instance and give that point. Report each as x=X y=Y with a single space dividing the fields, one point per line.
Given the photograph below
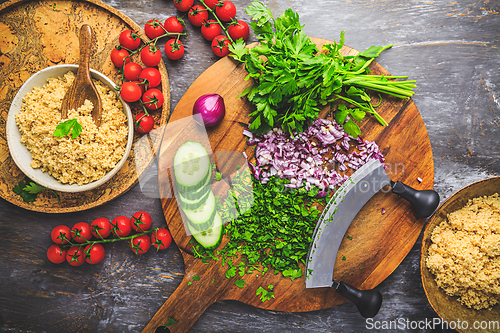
x=75 y=256
x=220 y=45
x=81 y=232
x=94 y=253
x=140 y=244
x=174 y=25
x=141 y=221
x=130 y=92
x=152 y=99
x=56 y=254
x=153 y=28
x=144 y=123
x=183 y=5
x=61 y=234
x=238 y=29
x=211 y=3
x=225 y=11
x=121 y=226
x=129 y=39
x=197 y=14
x=151 y=55
x=161 y=239
x=174 y=49
x=151 y=76
x=131 y=71
x=117 y=56
x=210 y=29
x=100 y=227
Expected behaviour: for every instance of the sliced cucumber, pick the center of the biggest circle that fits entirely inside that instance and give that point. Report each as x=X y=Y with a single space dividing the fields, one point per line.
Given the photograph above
x=192 y=166
x=197 y=193
x=201 y=217
x=211 y=238
x=192 y=204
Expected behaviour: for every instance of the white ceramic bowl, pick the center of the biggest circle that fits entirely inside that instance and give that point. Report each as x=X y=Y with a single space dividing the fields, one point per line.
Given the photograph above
x=22 y=156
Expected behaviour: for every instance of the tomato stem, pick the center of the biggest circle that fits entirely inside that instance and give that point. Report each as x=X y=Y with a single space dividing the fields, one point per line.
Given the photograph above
x=108 y=240
x=218 y=21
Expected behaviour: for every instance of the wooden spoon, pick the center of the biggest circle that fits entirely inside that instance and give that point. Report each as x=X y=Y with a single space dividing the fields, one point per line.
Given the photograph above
x=83 y=88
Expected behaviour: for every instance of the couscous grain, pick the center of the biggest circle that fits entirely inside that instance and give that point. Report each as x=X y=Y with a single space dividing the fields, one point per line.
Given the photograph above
x=89 y=156
x=465 y=253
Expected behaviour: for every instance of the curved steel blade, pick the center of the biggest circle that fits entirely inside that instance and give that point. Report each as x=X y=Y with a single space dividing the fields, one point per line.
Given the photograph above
x=336 y=218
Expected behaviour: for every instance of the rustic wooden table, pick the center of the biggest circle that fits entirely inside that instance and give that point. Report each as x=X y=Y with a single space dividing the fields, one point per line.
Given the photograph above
x=450 y=47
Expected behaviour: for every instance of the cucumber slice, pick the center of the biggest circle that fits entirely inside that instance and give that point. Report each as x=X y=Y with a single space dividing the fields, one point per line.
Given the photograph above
x=192 y=166
x=193 y=204
x=211 y=238
x=201 y=217
x=196 y=193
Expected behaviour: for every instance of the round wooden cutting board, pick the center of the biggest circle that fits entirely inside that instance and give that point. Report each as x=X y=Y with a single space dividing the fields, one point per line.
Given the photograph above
x=38 y=34
x=377 y=244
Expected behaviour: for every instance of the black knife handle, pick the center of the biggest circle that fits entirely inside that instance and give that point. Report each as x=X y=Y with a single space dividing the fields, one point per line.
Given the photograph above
x=368 y=302
x=424 y=202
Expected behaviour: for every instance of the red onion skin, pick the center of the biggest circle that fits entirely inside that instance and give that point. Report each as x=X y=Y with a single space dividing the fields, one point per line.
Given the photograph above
x=212 y=109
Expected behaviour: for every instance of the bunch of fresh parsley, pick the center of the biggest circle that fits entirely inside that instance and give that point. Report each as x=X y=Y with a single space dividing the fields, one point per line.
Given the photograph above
x=293 y=80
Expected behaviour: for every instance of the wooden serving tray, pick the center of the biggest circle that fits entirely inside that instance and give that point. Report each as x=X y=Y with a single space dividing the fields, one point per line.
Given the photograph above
x=379 y=241
x=38 y=34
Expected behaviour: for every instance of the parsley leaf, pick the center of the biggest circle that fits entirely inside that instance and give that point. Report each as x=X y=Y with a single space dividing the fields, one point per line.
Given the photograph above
x=240 y=283
x=28 y=190
x=65 y=127
x=169 y=322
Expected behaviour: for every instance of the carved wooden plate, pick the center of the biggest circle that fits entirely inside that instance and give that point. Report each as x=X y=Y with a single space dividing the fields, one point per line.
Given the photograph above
x=38 y=34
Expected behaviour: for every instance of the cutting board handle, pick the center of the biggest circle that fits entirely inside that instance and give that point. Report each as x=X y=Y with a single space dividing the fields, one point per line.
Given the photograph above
x=197 y=291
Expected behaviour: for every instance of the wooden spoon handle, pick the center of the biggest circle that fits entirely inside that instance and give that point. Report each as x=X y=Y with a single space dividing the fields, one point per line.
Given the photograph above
x=85 y=39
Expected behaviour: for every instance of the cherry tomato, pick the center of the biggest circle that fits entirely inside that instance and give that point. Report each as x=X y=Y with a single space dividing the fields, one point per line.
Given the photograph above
x=75 y=256
x=183 y=5
x=129 y=39
x=161 y=239
x=152 y=99
x=121 y=226
x=130 y=92
x=174 y=49
x=141 y=221
x=226 y=12
x=210 y=29
x=220 y=45
x=117 y=57
x=94 y=253
x=81 y=232
x=140 y=244
x=61 y=234
x=151 y=76
x=56 y=254
x=131 y=71
x=101 y=228
x=144 y=123
x=151 y=55
x=238 y=30
x=197 y=14
x=174 y=25
x=211 y=3
x=153 y=28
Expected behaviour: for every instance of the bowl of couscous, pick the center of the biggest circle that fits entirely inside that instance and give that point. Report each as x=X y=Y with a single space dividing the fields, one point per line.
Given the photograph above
x=460 y=258
x=71 y=162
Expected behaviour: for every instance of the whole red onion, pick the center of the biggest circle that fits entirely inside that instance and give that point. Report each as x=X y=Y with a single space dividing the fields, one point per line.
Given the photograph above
x=211 y=108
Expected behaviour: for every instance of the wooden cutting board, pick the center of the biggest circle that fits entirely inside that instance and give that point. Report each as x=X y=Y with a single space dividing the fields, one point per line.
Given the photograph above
x=37 y=34
x=379 y=241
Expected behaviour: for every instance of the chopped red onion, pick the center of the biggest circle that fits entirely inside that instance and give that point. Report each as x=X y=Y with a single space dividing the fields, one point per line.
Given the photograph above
x=319 y=156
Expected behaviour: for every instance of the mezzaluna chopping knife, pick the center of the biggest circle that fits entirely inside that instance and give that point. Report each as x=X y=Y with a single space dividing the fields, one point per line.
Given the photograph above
x=336 y=219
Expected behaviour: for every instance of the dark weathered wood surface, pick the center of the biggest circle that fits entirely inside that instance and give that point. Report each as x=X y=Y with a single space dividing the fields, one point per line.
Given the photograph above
x=450 y=47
